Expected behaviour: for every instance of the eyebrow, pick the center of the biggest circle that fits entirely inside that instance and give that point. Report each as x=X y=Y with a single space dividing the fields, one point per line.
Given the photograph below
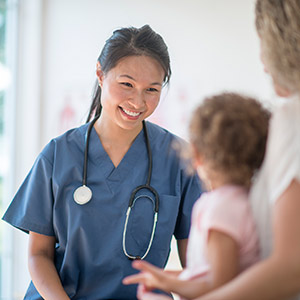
x=130 y=77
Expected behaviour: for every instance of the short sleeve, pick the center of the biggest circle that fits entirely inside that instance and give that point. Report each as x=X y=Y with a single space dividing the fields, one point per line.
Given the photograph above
x=31 y=208
x=191 y=191
x=228 y=217
x=283 y=149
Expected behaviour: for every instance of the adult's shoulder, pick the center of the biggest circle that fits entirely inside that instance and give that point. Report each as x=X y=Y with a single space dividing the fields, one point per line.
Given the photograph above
x=284 y=132
x=159 y=135
x=282 y=159
x=286 y=117
x=168 y=144
x=66 y=143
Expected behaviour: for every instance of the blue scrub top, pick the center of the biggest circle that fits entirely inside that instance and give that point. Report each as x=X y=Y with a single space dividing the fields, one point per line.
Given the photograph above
x=89 y=256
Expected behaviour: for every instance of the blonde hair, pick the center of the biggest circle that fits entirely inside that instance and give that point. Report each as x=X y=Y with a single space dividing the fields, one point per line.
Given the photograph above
x=230 y=131
x=278 y=26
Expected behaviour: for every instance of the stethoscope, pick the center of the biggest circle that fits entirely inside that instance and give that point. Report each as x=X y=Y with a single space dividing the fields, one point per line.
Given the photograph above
x=83 y=194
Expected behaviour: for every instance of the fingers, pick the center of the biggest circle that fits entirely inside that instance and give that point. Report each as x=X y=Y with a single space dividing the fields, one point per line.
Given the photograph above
x=142 y=265
x=137 y=278
x=147 y=275
x=153 y=296
x=141 y=290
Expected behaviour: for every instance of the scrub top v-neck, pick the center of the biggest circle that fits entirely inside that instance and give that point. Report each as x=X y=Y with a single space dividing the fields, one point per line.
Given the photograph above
x=89 y=257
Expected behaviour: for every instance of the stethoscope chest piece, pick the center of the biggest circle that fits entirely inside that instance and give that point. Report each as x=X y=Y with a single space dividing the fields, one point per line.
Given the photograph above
x=82 y=195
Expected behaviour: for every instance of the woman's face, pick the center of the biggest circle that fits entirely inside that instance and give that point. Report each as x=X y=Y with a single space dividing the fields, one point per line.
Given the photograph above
x=130 y=91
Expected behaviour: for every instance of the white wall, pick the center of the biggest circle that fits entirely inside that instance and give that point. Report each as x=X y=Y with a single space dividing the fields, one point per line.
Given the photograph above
x=21 y=130
x=213 y=47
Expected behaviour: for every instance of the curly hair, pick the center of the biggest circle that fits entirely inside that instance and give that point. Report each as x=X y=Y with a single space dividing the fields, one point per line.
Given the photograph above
x=278 y=26
x=230 y=131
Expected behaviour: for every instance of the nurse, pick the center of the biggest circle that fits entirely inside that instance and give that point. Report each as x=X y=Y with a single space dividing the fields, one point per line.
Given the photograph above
x=81 y=244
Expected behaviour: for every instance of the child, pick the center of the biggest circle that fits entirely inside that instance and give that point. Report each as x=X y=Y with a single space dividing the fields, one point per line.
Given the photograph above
x=228 y=135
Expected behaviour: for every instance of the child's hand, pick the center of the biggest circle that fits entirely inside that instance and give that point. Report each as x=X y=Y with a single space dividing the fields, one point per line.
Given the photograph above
x=153 y=296
x=150 y=276
x=141 y=290
x=144 y=294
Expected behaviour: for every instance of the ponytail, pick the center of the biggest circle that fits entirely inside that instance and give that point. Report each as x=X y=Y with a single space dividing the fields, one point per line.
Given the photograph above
x=95 y=109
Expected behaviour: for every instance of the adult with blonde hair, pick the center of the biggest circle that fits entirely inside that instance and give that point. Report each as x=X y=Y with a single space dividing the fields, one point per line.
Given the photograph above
x=276 y=192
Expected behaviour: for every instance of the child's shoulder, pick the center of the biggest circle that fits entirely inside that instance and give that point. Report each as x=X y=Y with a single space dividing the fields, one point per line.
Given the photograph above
x=225 y=198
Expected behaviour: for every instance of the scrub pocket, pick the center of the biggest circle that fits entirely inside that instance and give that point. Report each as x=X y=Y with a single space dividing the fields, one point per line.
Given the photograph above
x=141 y=219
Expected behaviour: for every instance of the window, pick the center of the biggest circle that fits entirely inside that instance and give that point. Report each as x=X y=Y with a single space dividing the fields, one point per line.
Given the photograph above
x=3 y=84
x=8 y=34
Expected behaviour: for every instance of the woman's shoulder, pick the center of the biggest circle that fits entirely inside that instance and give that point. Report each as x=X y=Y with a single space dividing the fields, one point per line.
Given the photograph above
x=284 y=132
x=158 y=134
x=66 y=142
x=282 y=159
x=287 y=115
x=168 y=144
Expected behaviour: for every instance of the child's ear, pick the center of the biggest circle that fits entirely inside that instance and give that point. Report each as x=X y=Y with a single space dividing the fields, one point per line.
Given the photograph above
x=198 y=161
x=197 y=157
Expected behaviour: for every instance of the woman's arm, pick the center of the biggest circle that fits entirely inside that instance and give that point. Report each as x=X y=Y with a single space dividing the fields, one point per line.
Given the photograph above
x=223 y=259
x=42 y=269
x=278 y=277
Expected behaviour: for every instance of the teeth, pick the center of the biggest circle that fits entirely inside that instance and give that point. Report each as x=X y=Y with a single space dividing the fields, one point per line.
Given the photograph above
x=130 y=113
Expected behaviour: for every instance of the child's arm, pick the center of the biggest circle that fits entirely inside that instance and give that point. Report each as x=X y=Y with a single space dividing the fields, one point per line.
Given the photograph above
x=42 y=269
x=223 y=258
x=277 y=277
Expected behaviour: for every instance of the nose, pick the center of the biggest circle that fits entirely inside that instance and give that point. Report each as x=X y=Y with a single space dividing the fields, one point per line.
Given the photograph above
x=137 y=100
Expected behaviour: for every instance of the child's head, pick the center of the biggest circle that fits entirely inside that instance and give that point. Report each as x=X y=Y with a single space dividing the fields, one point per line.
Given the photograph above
x=278 y=26
x=228 y=135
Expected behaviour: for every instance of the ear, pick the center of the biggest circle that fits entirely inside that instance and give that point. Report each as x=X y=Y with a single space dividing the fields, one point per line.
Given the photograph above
x=99 y=74
x=198 y=160
x=197 y=157
x=280 y=90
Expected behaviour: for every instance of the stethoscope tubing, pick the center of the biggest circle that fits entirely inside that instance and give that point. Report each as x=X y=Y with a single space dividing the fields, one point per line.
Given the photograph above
x=83 y=194
x=86 y=150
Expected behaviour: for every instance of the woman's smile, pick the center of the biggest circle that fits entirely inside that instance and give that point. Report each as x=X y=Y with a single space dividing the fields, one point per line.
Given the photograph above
x=130 y=114
x=130 y=92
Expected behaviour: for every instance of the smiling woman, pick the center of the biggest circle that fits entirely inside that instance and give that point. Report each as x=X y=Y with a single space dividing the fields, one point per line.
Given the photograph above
x=81 y=249
x=130 y=93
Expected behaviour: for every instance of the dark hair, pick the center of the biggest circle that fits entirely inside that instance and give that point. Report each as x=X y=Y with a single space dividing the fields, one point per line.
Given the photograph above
x=230 y=131
x=126 y=42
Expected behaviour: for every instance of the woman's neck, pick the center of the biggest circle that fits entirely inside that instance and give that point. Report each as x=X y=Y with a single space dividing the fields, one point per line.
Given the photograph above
x=110 y=132
x=115 y=140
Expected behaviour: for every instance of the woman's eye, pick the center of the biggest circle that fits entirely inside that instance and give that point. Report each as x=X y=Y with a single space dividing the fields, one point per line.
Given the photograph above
x=126 y=84
x=152 y=90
